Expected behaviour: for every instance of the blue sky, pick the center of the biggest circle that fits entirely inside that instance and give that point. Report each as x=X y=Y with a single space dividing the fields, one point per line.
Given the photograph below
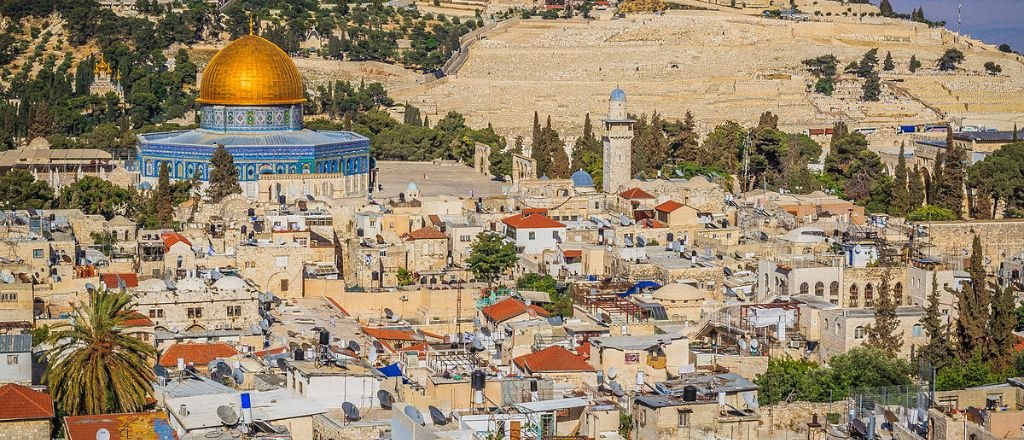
x=993 y=21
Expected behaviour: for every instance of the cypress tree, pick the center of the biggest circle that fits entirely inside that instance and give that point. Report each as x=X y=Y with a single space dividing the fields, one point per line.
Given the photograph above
x=223 y=177
x=884 y=333
x=939 y=349
x=586 y=145
x=658 y=144
x=1000 y=329
x=885 y=8
x=535 y=139
x=161 y=201
x=950 y=192
x=872 y=90
x=684 y=145
x=916 y=189
x=973 y=301
x=936 y=180
x=888 y=64
x=900 y=203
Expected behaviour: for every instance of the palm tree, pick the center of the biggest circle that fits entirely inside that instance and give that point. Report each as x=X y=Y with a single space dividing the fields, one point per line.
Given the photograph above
x=94 y=367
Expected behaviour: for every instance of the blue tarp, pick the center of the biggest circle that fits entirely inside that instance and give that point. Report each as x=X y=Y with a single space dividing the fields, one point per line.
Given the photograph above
x=640 y=286
x=392 y=370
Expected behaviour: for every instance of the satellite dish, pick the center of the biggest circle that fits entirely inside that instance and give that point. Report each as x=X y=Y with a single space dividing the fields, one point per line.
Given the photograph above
x=378 y=347
x=351 y=412
x=227 y=415
x=486 y=332
x=256 y=330
x=265 y=325
x=238 y=376
x=612 y=372
x=90 y=287
x=354 y=346
x=414 y=414
x=640 y=241
x=224 y=369
x=388 y=313
x=385 y=398
x=478 y=344
x=216 y=376
x=476 y=321
x=616 y=389
x=437 y=416
x=282 y=363
x=371 y=356
x=102 y=434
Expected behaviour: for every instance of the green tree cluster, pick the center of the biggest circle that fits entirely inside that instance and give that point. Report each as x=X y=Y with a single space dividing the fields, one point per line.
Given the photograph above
x=788 y=379
x=998 y=182
x=490 y=256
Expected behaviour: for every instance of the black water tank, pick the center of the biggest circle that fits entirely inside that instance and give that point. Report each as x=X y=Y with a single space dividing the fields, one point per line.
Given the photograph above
x=478 y=379
x=689 y=393
x=325 y=338
x=300 y=355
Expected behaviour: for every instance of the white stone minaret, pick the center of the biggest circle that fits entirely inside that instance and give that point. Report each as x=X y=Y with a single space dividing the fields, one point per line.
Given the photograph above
x=618 y=143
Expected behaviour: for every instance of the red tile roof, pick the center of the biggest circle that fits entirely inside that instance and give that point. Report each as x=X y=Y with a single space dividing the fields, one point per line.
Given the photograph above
x=199 y=354
x=130 y=280
x=271 y=352
x=532 y=221
x=338 y=306
x=390 y=334
x=173 y=238
x=635 y=193
x=24 y=403
x=669 y=206
x=435 y=220
x=572 y=253
x=427 y=233
x=136 y=319
x=149 y=425
x=554 y=359
x=509 y=308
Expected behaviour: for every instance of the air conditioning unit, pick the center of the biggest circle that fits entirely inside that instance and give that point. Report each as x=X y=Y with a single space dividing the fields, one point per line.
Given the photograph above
x=796 y=344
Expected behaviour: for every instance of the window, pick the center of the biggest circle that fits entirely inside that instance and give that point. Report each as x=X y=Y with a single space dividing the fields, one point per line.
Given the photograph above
x=858 y=333
x=195 y=312
x=281 y=261
x=9 y=297
x=869 y=295
x=250 y=264
x=804 y=288
x=854 y=296
x=532 y=236
x=684 y=418
x=833 y=289
x=156 y=313
x=465 y=238
x=12 y=359
x=284 y=285
x=37 y=253
x=554 y=234
x=819 y=289
x=897 y=293
x=234 y=310
x=916 y=330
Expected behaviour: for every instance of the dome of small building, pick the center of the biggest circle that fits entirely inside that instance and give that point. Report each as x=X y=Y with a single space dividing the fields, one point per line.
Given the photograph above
x=151 y=285
x=230 y=282
x=618 y=95
x=582 y=179
x=678 y=292
x=251 y=71
x=412 y=188
x=191 y=284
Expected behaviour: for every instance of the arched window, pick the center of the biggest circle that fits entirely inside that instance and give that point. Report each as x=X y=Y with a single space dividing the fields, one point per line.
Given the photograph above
x=916 y=330
x=897 y=294
x=833 y=289
x=819 y=289
x=858 y=333
x=869 y=295
x=854 y=298
x=804 y=288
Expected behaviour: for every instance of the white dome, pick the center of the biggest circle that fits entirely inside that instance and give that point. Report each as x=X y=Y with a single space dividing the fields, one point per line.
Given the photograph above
x=191 y=285
x=151 y=285
x=230 y=283
x=678 y=292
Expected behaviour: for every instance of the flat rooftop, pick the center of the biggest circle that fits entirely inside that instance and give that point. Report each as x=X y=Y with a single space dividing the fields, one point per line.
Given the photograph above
x=434 y=179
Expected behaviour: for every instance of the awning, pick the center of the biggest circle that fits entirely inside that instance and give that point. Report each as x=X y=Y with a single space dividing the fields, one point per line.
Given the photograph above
x=553 y=405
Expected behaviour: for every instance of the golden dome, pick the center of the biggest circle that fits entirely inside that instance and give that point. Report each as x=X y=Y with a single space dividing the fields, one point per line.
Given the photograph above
x=251 y=71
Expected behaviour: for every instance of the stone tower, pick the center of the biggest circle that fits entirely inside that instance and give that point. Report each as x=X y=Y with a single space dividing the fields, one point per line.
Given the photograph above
x=618 y=143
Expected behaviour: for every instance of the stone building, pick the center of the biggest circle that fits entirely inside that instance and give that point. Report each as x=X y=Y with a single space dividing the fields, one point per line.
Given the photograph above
x=844 y=329
x=26 y=414
x=16 y=359
x=196 y=305
x=721 y=406
x=618 y=141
